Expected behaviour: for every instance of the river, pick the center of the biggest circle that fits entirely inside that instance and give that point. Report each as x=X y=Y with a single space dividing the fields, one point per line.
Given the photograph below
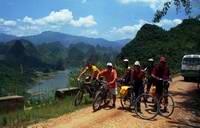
x=48 y=86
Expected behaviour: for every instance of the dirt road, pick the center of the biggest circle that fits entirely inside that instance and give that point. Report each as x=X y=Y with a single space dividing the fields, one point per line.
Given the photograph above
x=186 y=114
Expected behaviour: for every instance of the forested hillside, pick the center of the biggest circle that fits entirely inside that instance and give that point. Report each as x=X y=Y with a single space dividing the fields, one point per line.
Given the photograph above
x=152 y=41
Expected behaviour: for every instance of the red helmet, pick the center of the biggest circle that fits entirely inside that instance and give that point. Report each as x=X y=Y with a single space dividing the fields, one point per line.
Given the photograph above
x=88 y=65
x=162 y=59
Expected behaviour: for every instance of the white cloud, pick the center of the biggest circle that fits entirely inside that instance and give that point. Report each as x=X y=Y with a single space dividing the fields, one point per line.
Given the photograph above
x=154 y=4
x=55 y=21
x=129 y=31
x=7 y=22
x=84 y=21
x=62 y=17
x=166 y=23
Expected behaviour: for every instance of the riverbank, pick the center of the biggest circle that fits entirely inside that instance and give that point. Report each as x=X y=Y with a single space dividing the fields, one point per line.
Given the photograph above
x=45 y=106
x=47 y=83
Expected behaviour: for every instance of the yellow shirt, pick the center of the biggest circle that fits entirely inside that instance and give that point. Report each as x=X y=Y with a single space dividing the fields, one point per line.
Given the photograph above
x=94 y=70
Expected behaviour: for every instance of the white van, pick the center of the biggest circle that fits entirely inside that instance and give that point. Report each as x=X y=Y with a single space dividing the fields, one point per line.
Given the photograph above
x=190 y=67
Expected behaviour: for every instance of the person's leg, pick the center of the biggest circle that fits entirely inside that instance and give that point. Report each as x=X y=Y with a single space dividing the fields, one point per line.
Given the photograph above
x=137 y=91
x=114 y=100
x=166 y=87
x=114 y=95
x=87 y=86
x=149 y=83
x=158 y=91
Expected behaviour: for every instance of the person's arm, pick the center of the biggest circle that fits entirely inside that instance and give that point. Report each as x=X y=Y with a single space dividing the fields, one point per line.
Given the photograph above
x=100 y=74
x=83 y=72
x=154 y=72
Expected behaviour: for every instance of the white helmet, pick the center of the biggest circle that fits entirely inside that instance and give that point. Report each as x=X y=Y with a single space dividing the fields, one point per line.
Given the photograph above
x=125 y=60
x=151 y=59
x=109 y=64
x=137 y=63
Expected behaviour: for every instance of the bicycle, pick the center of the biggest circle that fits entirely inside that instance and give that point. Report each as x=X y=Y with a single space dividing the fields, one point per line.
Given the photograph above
x=103 y=96
x=143 y=105
x=83 y=89
x=166 y=101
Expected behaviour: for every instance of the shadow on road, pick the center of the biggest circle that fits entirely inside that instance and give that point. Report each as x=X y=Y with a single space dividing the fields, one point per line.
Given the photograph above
x=190 y=103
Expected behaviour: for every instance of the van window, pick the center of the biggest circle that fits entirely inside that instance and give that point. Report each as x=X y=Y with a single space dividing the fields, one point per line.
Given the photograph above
x=191 y=61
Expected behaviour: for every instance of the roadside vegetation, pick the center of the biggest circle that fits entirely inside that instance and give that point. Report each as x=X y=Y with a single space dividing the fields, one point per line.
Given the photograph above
x=39 y=111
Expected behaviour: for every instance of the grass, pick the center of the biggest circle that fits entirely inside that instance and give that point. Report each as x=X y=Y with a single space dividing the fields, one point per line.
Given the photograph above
x=39 y=112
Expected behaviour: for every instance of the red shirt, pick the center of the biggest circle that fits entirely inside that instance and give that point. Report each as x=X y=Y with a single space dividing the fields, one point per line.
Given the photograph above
x=138 y=75
x=161 y=72
x=110 y=77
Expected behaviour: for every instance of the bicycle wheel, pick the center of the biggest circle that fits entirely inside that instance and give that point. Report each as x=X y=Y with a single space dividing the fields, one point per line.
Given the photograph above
x=97 y=103
x=78 y=98
x=146 y=106
x=166 y=105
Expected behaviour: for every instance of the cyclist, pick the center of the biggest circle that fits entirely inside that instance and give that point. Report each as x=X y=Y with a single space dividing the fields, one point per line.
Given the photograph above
x=110 y=75
x=127 y=72
x=149 y=69
x=126 y=63
x=127 y=76
x=161 y=73
x=137 y=78
x=93 y=71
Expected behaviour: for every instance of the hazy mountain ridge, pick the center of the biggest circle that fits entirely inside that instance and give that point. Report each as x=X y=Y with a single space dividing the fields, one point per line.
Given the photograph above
x=65 y=39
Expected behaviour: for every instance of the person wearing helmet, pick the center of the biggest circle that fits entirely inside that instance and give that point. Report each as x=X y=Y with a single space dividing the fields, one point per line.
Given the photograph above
x=110 y=74
x=149 y=70
x=126 y=63
x=126 y=78
x=137 y=78
x=92 y=69
x=161 y=73
x=93 y=72
x=127 y=72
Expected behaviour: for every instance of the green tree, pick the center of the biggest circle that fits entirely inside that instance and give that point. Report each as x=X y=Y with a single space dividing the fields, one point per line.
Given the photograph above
x=186 y=4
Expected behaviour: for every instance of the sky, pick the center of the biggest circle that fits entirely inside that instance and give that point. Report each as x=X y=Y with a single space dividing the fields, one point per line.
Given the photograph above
x=109 y=19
